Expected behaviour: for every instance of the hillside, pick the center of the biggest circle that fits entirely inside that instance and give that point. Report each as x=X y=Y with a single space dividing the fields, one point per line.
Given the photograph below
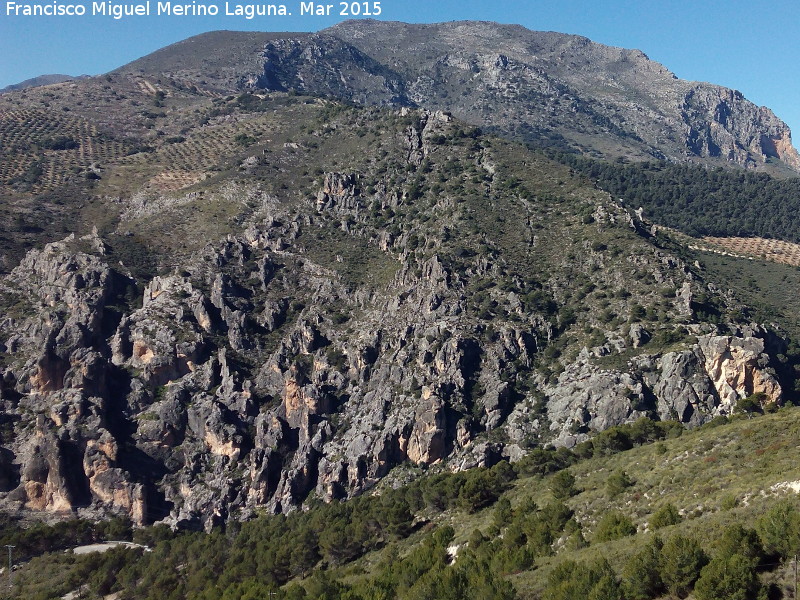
x=545 y=89
x=701 y=202
x=421 y=293
x=674 y=500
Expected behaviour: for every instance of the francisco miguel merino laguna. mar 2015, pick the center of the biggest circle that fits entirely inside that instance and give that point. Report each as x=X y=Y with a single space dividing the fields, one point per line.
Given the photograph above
x=192 y=9
x=145 y=9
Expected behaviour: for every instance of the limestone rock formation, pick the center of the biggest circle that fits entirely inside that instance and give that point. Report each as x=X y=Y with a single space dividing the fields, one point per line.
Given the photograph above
x=146 y=418
x=441 y=301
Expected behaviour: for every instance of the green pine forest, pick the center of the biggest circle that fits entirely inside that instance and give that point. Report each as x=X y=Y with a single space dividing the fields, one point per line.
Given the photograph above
x=701 y=201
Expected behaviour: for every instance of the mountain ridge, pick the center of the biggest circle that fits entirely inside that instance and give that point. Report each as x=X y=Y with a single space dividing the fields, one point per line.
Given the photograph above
x=41 y=80
x=635 y=107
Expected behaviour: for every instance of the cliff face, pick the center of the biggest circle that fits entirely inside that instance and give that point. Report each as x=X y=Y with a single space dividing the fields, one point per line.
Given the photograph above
x=156 y=419
x=340 y=336
x=721 y=122
x=706 y=379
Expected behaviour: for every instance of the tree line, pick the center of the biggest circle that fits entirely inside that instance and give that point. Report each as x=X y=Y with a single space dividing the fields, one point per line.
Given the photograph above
x=701 y=201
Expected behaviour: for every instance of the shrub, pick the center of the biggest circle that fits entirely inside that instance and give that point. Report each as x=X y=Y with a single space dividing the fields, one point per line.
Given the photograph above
x=664 y=517
x=612 y=441
x=752 y=404
x=728 y=578
x=641 y=579
x=742 y=541
x=556 y=515
x=570 y=580
x=681 y=560
x=481 y=488
x=542 y=462
x=502 y=514
x=617 y=483
x=244 y=140
x=61 y=142
x=562 y=485
x=638 y=312
x=779 y=529
x=613 y=526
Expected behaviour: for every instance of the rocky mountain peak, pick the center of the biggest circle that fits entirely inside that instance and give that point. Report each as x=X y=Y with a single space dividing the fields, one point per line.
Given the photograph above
x=546 y=85
x=545 y=88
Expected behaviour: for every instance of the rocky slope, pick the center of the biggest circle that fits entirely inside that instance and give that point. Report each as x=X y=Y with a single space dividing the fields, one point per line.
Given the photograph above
x=39 y=81
x=430 y=297
x=542 y=87
x=166 y=115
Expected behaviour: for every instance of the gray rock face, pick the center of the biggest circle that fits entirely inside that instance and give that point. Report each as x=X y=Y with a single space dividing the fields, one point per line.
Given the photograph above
x=540 y=86
x=723 y=123
x=690 y=386
x=683 y=387
x=148 y=419
x=587 y=399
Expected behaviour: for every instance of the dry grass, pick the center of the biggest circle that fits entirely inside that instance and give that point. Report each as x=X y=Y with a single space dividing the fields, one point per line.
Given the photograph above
x=171 y=181
x=700 y=473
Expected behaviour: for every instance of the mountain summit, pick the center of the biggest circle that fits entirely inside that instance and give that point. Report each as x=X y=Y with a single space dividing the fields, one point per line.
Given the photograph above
x=542 y=87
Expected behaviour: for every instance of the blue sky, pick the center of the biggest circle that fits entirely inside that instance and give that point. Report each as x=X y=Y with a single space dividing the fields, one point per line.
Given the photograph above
x=750 y=46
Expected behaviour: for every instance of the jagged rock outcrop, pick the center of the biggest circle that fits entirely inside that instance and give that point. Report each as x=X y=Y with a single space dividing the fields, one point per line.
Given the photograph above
x=183 y=431
x=739 y=367
x=721 y=122
x=442 y=304
x=689 y=386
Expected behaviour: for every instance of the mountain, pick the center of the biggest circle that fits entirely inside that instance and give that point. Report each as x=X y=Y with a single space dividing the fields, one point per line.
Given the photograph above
x=540 y=87
x=39 y=81
x=356 y=290
x=215 y=60
x=253 y=271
